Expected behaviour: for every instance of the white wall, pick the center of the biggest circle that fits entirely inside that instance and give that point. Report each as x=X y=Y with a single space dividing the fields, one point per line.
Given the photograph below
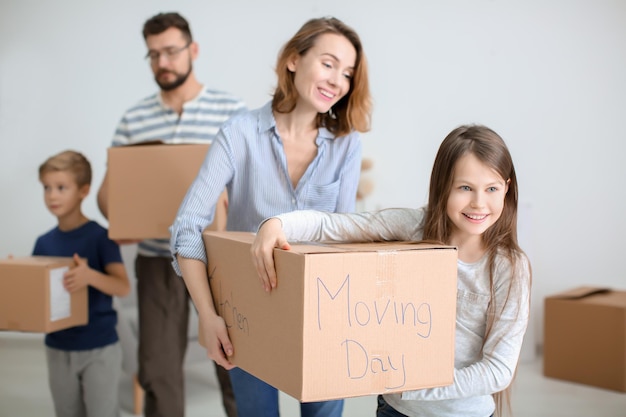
x=547 y=75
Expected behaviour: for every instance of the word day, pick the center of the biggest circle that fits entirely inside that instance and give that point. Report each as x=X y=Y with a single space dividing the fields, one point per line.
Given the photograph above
x=360 y=364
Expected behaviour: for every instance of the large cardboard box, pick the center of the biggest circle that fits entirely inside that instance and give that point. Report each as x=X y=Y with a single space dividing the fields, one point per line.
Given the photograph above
x=32 y=297
x=146 y=185
x=585 y=337
x=345 y=320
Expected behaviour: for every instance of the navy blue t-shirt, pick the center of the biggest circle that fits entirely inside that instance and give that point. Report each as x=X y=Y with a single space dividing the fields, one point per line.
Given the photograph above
x=90 y=241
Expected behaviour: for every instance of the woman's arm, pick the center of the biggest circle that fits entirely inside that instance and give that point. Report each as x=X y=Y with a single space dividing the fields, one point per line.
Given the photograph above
x=212 y=332
x=196 y=212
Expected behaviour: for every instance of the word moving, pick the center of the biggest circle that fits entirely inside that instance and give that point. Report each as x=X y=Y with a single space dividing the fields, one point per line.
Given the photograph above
x=379 y=312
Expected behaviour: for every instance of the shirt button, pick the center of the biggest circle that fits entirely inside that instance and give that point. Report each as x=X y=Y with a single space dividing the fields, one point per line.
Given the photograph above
x=293 y=201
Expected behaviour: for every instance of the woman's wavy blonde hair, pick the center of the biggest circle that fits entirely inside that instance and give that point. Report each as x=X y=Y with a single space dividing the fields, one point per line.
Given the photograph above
x=353 y=111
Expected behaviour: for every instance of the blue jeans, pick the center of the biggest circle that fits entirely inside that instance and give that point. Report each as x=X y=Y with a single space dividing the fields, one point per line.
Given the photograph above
x=385 y=410
x=256 y=398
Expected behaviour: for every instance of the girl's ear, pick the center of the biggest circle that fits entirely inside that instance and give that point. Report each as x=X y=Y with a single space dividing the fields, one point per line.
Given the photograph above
x=506 y=186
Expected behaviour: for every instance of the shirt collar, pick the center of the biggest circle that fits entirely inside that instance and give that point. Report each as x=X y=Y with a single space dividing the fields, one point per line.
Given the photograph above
x=267 y=122
x=194 y=100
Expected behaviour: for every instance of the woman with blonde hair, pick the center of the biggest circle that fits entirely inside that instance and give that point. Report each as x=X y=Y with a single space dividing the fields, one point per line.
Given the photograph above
x=302 y=150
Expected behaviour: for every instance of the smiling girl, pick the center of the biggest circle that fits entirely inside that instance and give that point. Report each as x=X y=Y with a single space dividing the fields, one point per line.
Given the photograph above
x=473 y=205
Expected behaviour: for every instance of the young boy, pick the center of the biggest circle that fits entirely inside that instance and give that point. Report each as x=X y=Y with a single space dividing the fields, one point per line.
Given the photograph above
x=84 y=362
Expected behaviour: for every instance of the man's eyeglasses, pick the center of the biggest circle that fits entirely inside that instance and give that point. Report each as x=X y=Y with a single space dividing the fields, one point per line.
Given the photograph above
x=169 y=53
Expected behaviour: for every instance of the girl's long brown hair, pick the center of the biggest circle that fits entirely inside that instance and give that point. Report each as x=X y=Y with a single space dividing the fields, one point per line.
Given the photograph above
x=501 y=237
x=353 y=111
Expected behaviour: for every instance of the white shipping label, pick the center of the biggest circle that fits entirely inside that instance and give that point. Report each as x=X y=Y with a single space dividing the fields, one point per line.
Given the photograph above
x=60 y=302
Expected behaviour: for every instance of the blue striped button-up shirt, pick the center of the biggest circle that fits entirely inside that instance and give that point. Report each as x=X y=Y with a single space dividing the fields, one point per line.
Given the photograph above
x=248 y=159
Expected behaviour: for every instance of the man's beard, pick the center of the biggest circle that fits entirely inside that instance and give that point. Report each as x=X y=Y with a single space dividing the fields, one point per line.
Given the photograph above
x=178 y=81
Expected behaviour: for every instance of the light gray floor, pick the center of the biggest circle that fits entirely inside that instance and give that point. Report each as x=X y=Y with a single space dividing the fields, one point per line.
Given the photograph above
x=24 y=390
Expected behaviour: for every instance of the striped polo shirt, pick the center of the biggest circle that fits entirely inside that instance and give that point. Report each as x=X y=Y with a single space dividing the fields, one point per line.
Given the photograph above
x=151 y=119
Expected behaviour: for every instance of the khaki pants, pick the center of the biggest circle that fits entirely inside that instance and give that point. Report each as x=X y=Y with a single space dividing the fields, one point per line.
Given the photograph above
x=85 y=382
x=163 y=333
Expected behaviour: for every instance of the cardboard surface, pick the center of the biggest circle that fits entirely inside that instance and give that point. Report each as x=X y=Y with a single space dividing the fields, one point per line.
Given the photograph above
x=32 y=297
x=344 y=321
x=585 y=337
x=146 y=185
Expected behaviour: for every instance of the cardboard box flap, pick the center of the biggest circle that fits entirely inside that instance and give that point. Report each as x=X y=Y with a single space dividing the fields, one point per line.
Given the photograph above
x=581 y=292
x=147 y=143
x=390 y=246
x=305 y=248
x=175 y=141
x=37 y=261
x=315 y=247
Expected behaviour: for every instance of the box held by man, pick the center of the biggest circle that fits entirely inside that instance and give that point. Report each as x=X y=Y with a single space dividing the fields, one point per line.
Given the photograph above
x=146 y=185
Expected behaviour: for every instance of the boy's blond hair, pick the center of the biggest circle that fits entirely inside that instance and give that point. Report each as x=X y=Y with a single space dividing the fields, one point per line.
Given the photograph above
x=71 y=161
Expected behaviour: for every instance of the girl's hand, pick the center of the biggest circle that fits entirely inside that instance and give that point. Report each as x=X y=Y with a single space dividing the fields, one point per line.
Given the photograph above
x=214 y=337
x=270 y=236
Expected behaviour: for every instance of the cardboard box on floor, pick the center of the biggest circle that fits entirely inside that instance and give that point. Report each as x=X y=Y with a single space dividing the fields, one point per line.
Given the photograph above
x=146 y=185
x=345 y=320
x=32 y=297
x=585 y=337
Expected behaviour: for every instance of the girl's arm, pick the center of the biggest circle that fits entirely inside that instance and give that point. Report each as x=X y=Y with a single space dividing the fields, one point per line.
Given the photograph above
x=401 y=224
x=495 y=367
x=394 y=224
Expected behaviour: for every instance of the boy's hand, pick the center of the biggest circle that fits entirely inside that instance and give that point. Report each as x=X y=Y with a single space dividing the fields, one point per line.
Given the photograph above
x=78 y=277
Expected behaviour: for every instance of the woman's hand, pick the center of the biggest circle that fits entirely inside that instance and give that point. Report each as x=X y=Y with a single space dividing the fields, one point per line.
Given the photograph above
x=212 y=332
x=214 y=337
x=270 y=236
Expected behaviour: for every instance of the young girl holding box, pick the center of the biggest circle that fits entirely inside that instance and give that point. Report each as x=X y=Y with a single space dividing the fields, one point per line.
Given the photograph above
x=473 y=206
